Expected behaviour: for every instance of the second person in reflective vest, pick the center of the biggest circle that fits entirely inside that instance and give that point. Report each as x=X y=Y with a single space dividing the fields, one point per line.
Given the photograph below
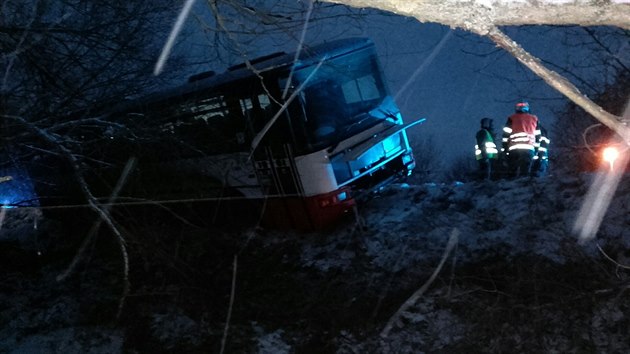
x=485 y=150
x=541 y=159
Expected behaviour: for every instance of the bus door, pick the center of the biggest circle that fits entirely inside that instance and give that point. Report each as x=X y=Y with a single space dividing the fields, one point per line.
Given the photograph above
x=273 y=158
x=277 y=174
x=276 y=170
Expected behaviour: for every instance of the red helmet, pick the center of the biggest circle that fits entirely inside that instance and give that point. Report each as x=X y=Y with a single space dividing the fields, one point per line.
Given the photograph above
x=522 y=107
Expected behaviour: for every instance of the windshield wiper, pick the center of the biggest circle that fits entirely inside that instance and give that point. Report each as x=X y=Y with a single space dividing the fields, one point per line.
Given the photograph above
x=364 y=116
x=389 y=114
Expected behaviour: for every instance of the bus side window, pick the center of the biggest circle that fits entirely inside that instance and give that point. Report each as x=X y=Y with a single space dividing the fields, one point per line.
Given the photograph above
x=249 y=114
x=257 y=111
x=193 y=133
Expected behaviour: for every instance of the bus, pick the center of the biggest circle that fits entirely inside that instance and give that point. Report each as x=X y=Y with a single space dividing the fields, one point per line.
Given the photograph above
x=306 y=135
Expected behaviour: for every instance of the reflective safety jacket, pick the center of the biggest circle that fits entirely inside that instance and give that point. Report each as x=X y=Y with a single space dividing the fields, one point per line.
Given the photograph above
x=521 y=132
x=542 y=147
x=485 y=147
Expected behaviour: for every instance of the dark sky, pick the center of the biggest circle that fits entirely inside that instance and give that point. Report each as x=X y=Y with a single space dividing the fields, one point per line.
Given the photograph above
x=457 y=78
x=468 y=79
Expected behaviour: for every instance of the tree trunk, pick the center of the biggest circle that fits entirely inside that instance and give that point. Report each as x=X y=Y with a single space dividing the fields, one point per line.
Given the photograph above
x=477 y=15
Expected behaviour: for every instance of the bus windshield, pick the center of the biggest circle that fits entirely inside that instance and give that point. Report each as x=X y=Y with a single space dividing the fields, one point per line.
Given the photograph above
x=339 y=97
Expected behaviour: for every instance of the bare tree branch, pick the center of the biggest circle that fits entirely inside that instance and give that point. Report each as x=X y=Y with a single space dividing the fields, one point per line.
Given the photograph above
x=561 y=84
x=606 y=48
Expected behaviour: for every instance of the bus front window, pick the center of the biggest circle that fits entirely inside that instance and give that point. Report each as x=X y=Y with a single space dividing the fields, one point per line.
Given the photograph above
x=338 y=98
x=323 y=110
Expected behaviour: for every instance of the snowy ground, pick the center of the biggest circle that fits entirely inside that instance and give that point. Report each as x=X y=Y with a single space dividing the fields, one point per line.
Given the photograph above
x=524 y=223
x=516 y=280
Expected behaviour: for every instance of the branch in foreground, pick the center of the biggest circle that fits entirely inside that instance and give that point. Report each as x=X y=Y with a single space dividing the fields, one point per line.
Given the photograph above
x=229 y=315
x=93 y=202
x=452 y=242
x=96 y=226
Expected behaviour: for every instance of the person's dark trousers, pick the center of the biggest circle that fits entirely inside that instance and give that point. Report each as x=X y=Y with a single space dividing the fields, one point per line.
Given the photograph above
x=501 y=167
x=485 y=168
x=539 y=168
x=520 y=162
x=535 y=167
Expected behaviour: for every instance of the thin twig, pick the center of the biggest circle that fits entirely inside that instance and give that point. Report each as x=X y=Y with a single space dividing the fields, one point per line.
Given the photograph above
x=450 y=283
x=619 y=265
x=585 y=133
x=215 y=9
x=267 y=126
x=452 y=242
x=97 y=224
x=229 y=314
x=299 y=49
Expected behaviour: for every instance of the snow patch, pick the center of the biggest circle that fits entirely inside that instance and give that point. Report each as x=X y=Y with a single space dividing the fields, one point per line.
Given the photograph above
x=68 y=340
x=174 y=329
x=410 y=224
x=270 y=343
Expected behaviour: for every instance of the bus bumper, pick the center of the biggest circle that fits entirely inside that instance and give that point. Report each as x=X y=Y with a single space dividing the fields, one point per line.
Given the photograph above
x=308 y=213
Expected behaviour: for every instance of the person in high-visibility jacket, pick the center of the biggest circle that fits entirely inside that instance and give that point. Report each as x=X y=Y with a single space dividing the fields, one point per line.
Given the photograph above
x=520 y=136
x=485 y=150
x=541 y=158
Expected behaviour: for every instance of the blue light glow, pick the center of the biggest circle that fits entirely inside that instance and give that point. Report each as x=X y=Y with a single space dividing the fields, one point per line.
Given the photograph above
x=18 y=190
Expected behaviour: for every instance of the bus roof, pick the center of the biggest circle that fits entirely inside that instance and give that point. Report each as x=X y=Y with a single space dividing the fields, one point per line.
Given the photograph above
x=309 y=55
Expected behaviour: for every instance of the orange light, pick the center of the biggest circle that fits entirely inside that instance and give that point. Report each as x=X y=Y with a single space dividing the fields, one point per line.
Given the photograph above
x=610 y=154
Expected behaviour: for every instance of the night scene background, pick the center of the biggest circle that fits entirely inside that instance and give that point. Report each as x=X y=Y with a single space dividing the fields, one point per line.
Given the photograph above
x=438 y=262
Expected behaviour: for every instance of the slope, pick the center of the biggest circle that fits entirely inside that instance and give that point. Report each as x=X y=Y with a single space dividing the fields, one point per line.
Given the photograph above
x=517 y=280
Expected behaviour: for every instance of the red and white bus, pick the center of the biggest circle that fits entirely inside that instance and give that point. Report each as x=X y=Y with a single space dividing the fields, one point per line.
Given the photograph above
x=332 y=133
